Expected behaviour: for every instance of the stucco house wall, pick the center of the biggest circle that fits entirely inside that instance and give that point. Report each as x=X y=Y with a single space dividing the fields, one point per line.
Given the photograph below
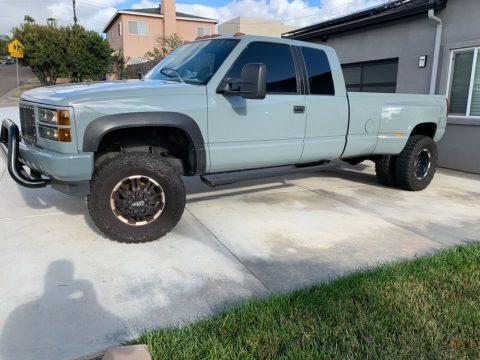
x=134 y=46
x=405 y=39
x=187 y=30
x=114 y=38
x=460 y=148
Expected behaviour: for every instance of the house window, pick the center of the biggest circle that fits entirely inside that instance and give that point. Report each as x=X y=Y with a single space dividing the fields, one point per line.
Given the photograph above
x=137 y=28
x=119 y=29
x=372 y=76
x=202 y=31
x=464 y=95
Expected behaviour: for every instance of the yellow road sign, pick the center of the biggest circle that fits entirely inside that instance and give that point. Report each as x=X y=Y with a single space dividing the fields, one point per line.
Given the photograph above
x=15 y=48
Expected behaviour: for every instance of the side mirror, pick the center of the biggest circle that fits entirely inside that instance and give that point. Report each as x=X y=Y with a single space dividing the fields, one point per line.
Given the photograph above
x=140 y=75
x=253 y=81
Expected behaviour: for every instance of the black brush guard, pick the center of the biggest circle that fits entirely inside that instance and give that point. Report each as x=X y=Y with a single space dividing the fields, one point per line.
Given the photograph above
x=9 y=139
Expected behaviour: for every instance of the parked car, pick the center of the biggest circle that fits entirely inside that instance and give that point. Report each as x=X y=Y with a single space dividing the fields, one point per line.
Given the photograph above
x=216 y=105
x=9 y=60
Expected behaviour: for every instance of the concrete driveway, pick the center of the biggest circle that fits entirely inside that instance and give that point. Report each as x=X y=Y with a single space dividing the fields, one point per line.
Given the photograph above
x=66 y=291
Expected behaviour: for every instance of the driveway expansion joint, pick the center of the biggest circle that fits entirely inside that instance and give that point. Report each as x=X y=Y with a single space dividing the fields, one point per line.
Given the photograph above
x=232 y=253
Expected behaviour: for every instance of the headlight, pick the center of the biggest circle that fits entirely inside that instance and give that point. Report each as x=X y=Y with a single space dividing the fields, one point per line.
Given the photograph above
x=58 y=117
x=56 y=134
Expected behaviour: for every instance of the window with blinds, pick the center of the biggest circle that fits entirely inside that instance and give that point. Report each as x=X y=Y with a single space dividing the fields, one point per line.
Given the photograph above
x=137 y=28
x=465 y=82
x=203 y=31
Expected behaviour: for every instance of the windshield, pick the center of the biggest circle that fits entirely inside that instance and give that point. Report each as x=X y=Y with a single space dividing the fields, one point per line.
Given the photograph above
x=193 y=63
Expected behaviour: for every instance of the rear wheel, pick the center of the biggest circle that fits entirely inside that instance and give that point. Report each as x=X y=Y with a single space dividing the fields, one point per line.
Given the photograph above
x=136 y=197
x=385 y=170
x=417 y=163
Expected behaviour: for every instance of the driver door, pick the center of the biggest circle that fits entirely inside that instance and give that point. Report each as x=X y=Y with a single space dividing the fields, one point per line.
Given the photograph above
x=254 y=133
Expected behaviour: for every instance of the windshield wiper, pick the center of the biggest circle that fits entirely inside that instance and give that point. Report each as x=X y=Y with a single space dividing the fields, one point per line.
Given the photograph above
x=172 y=70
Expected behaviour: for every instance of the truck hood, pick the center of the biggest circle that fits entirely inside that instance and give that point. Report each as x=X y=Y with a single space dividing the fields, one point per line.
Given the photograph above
x=70 y=94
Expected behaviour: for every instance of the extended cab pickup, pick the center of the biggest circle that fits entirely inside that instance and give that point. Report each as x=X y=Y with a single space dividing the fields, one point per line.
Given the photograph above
x=215 y=105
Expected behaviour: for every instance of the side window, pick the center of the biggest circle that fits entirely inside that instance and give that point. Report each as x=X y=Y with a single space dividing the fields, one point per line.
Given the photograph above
x=319 y=72
x=281 y=77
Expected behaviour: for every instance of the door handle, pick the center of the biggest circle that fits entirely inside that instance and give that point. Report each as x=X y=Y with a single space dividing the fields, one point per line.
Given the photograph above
x=298 y=109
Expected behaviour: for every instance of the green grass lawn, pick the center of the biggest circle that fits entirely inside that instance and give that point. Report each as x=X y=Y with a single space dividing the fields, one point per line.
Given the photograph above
x=425 y=308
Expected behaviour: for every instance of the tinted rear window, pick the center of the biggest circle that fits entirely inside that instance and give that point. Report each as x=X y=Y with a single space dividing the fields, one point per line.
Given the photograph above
x=319 y=72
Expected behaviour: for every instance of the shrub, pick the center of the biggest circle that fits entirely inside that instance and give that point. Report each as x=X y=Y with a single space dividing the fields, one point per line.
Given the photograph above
x=88 y=56
x=164 y=46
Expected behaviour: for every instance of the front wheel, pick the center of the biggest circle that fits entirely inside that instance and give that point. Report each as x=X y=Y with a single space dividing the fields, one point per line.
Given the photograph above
x=136 y=197
x=417 y=163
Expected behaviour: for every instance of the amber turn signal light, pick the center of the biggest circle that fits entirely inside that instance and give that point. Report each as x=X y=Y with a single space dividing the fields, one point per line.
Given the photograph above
x=63 y=117
x=64 y=135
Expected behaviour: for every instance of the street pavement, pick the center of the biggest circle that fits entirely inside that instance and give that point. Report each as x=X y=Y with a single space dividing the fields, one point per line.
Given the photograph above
x=67 y=291
x=8 y=77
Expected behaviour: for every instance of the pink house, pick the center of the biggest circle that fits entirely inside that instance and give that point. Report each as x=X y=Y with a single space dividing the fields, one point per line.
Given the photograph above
x=135 y=31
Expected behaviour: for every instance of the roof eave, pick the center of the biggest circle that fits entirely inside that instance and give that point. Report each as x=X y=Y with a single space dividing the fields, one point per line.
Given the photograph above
x=109 y=23
x=311 y=32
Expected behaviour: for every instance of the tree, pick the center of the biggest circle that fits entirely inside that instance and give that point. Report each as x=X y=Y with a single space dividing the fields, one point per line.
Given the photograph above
x=53 y=51
x=28 y=19
x=88 y=56
x=4 y=40
x=165 y=45
x=118 y=64
x=44 y=50
x=52 y=21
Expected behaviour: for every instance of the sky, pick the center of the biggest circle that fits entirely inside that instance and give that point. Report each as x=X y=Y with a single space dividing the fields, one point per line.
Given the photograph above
x=94 y=14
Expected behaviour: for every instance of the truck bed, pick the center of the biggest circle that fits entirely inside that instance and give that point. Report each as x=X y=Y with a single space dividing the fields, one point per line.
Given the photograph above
x=380 y=123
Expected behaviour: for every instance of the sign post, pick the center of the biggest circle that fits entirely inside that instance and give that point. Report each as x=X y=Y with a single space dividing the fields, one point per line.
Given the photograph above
x=15 y=48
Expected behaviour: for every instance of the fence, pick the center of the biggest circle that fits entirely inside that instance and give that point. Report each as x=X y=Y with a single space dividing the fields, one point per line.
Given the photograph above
x=131 y=71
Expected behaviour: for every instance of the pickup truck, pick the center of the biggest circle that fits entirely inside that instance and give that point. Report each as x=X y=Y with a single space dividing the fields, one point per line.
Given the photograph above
x=212 y=106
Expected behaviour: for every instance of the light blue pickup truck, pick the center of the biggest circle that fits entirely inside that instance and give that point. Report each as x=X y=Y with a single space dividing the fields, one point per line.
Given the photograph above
x=215 y=105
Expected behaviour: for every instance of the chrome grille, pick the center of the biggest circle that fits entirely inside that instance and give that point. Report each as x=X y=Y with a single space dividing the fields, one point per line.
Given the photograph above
x=27 y=121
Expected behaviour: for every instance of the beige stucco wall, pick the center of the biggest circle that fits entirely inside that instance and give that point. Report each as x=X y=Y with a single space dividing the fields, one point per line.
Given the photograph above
x=254 y=26
x=187 y=30
x=135 y=46
x=114 y=39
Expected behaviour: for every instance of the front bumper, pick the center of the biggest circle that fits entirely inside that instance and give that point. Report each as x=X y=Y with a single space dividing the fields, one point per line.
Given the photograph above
x=9 y=140
x=66 y=172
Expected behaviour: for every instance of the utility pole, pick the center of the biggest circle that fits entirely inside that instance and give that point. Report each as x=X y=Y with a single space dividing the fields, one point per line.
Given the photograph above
x=74 y=13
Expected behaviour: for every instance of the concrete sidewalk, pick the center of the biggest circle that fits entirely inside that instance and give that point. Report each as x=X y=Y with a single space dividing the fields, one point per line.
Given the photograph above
x=67 y=291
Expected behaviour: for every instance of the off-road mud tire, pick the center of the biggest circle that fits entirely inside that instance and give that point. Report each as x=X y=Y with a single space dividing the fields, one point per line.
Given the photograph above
x=123 y=166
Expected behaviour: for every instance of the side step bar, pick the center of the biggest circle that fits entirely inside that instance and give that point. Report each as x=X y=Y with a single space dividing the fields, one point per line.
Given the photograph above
x=233 y=177
x=213 y=183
